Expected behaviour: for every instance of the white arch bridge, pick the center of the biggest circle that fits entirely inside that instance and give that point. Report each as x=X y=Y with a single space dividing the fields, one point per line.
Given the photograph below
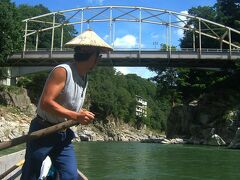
x=108 y=20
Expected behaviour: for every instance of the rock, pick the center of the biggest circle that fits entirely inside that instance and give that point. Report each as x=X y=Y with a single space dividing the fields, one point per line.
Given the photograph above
x=195 y=140
x=13 y=125
x=203 y=119
x=18 y=99
x=31 y=109
x=177 y=141
x=160 y=140
x=110 y=139
x=196 y=131
x=112 y=134
x=207 y=133
x=179 y=121
x=215 y=140
x=194 y=103
x=163 y=140
x=84 y=137
x=106 y=138
x=166 y=141
x=235 y=144
x=122 y=138
x=87 y=135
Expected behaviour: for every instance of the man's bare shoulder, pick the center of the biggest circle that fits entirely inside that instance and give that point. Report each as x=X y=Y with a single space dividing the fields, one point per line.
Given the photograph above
x=59 y=74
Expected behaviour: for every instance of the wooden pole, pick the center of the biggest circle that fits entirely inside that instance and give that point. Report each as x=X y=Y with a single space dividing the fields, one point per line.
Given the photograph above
x=38 y=134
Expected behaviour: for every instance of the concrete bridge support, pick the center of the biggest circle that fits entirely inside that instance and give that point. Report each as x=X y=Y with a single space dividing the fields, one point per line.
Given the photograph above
x=5 y=78
x=12 y=73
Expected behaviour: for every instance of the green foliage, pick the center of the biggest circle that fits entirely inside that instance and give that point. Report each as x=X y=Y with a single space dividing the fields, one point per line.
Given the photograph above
x=203 y=12
x=10 y=30
x=166 y=81
x=3 y=73
x=34 y=83
x=192 y=82
x=225 y=12
x=11 y=89
x=46 y=36
x=167 y=47
x=228 y=13
x=112 y=93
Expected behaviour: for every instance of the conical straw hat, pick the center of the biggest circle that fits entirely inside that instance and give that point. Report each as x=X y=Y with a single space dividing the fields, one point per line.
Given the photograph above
x=89 y=39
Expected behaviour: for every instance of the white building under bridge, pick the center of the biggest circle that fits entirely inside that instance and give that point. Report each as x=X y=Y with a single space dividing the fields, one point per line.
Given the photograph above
x=141 y=107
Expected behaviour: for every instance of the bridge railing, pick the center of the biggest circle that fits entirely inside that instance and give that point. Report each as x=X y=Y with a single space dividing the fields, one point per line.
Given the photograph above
x=145 y=49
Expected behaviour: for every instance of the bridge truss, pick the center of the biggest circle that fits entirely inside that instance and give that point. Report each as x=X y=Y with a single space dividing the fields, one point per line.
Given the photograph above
x=110 y=15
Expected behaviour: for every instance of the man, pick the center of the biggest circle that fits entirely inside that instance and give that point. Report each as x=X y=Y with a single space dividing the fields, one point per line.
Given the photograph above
x=62 y=99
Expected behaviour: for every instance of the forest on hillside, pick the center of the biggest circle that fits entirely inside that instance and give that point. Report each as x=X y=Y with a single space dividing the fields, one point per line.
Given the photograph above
x=112 y=93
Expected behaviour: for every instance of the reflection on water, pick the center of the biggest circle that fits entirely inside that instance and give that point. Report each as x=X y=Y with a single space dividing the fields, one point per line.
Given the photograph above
x=104 y=160
x=138 y=161
x=12 y=149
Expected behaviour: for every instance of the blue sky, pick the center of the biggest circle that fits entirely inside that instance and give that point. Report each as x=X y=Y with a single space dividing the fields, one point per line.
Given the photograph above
x=127 y=37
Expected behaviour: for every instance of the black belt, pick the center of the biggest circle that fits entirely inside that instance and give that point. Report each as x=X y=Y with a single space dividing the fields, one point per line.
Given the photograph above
x=46 y=123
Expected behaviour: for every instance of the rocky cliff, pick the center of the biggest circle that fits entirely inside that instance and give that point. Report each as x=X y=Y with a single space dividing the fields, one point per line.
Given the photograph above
x=214 y=119
x=16 y=112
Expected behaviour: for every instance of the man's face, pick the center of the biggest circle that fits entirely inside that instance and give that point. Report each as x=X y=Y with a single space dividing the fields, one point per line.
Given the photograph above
x=93 y=60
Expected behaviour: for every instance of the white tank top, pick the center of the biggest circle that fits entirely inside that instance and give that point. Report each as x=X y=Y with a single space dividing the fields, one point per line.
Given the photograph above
x=72 y=96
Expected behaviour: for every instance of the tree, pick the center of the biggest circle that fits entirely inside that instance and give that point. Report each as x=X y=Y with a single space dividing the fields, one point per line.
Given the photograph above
x=45 y=37
x=10 y=30
x=34 y=83
x=166 y=80
x=165 y=47
x=228 y=13
x=205 y=12
x=192 y=82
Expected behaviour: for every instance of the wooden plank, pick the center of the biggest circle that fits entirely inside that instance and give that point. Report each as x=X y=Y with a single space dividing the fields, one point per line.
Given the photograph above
x=8 y=161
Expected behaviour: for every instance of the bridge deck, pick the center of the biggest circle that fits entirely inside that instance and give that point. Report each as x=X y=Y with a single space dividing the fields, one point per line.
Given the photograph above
x=131 y=58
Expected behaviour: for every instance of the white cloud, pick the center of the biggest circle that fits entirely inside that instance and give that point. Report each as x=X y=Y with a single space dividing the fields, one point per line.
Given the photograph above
x=127 y=41
x=183 y=18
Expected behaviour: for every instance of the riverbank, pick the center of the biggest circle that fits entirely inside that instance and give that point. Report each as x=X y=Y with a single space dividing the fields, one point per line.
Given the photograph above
x=15 y=123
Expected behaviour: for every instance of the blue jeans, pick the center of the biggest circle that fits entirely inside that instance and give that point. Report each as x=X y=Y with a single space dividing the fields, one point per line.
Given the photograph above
x=57 y=146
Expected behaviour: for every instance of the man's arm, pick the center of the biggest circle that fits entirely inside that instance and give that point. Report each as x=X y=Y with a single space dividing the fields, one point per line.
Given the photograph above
x=52 y=89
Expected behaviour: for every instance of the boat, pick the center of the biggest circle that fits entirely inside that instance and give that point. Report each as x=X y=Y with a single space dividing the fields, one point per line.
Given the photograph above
x=11 y=165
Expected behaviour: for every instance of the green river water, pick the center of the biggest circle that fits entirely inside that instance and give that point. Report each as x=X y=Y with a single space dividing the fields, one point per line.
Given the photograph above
x=139 y=161
x=125 y=161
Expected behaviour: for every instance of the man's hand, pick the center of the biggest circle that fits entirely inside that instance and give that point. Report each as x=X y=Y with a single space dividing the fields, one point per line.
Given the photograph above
x=85 y=117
